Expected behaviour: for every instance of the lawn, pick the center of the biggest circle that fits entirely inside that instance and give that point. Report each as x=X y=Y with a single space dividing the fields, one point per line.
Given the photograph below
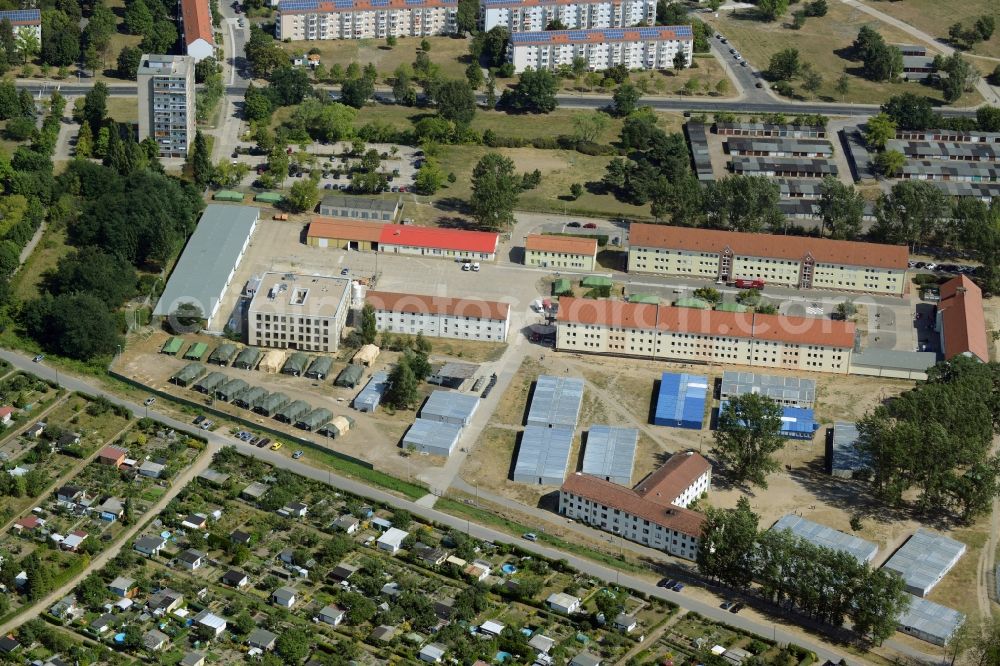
x=123 y=109
x=821 y=42
x=46 y=255
x=935 y=17
x=559 y=169
x=446 y=52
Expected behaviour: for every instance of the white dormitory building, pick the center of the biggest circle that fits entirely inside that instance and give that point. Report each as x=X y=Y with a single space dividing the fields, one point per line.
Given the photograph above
x=601 y=48
x=654 y=513
x=795 y=261
x=667 y=333
x=440 y=317
x=24 y=20
x=364 y=19
x=537 y=15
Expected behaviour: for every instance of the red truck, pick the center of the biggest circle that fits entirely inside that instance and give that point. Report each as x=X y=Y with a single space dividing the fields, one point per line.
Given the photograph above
x=748 y=283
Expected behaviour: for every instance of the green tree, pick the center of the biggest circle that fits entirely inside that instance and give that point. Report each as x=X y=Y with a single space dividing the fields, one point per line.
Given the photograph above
x=784 y=65
x=303 y=195
x=747 y=436
x=456 y=101
x=60 y=38
x=402 y=392
x=889 y=163
x=770 y=10
x=402 y=86
x=625 y=100
x=357 y=92
x=429 y=178
x=910 y=213
x=467 y=16
x=138 y=18
x=95 y=106
x=727 y=548
x=575 y=191
x=843 y=85
x=94 y=271
x=988 y=118
x=911 y=112
x=128 y=62
x=292 y=645
x=534 y=92
x=200 y=160
x=368 y=326
x=474 y=76
x=743 y=203
x=811 y=80
x=961 y=76
x=28 y=45
x=495 y=190
x=589 y=126
x=841 y=208
x=879 y=130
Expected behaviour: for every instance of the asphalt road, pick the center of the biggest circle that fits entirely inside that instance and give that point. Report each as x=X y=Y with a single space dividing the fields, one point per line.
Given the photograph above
x=606 y=574
x=574 y=101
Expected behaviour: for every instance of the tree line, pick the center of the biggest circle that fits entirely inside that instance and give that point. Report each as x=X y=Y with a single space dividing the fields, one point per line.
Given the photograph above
x=936 y=439
x=826 y=585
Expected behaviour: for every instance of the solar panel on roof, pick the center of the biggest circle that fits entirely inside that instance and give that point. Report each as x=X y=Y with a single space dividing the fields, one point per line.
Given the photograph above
x=21 y=15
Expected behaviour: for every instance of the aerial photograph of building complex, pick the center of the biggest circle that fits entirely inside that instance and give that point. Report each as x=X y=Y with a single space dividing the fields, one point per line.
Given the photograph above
x=500 y=332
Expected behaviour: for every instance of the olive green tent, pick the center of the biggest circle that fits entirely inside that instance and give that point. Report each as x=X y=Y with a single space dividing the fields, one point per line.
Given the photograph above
x=188 y=374
x=172 y=346
x=223 y=354
x=227 y=195
x=296 y=364
x=196 y=351
x=350 y=376
x=652 y=299
x=320 y=368
x=731 y=307
x=248 y=358
x=210 y=382
x=596 y=281
x=250 y=397
x=269 y=198
x=696 y=303
x=314 y=419
x=271 y=404
x=561 y=286
x=291 y=412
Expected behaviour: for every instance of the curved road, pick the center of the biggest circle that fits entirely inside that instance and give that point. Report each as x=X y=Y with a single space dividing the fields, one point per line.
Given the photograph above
x=216 y=441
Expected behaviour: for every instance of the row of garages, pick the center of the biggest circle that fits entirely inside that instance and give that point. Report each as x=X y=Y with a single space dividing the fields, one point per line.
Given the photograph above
x=274 y=405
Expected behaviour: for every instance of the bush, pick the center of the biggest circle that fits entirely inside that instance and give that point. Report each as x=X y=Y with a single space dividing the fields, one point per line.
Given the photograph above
x=594 y=149
x=545 y=143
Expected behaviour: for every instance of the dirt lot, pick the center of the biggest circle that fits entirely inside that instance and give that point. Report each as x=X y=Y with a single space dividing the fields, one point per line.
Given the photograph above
x=374 y=437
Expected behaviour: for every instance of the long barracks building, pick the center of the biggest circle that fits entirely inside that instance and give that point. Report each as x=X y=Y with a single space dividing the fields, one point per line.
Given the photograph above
x=668 y=333
x=364 y=19
x=537 y=15
x=807 y=263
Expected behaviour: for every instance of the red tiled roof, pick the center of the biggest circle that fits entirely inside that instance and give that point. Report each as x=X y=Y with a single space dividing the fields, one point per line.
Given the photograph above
x=666 y=484
x=823 y=250
x=445 y=239
x=962 y=319
x=197 y=21
x=29 y=522
x=111 y=453
x=565 y=244
x=6 y=411
x=366 y=5
x=341 y=229
x=618 y=497
x=419 y=304
x=778 y=328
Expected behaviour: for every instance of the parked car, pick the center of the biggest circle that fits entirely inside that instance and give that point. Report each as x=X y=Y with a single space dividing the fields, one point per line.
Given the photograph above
x=276 y=446
x=590 y=225
x=678 y=587
x=345 y=271
x=149 y=401
x=667 y=583
x=198 y=419
x=575 y=225
x=726 y=605
x=39 y=358
x=530 y=536
x=206 y=424
x=264 y=442
x=475 y=266
x=297 y=455
x=466 y=267
x=736 y=608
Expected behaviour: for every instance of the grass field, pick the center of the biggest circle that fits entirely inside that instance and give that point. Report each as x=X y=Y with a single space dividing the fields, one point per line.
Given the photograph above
x=446 y=52
x=935 y=17
x=821 y=42
x=47 y=253
x=123 y=109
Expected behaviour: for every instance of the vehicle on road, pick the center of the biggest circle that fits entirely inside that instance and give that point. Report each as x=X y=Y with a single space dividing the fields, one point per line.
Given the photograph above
x=345 y=271
x=38 y=359
x=667 y=583
x=530 y=536
x=736 y=608
x=297 y=454
x=590 y=225
x=748 y=283
x=573 y=224
x=149 y=401
x=276 y=446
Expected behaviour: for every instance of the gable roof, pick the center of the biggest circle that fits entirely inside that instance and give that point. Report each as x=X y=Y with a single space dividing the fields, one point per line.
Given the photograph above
x=438 y=305
x=450 y=239
x=664 y=485
x=335 y=227
x=197 y=21
x=962 y=319
x=564 y=244
x=823 y=250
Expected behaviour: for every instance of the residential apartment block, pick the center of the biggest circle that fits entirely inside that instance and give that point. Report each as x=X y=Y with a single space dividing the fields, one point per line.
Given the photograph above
x=24 y=20
x=568 y=252
x=654 y=513
x=166 y=102
x=636 y=48
x=440 y=317
x=704 y=336
x=304 y=312
x=807 y=263
x=537 y=15
x=364 y=19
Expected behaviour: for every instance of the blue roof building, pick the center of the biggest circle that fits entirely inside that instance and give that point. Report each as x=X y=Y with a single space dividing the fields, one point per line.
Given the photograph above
x=681 y=401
